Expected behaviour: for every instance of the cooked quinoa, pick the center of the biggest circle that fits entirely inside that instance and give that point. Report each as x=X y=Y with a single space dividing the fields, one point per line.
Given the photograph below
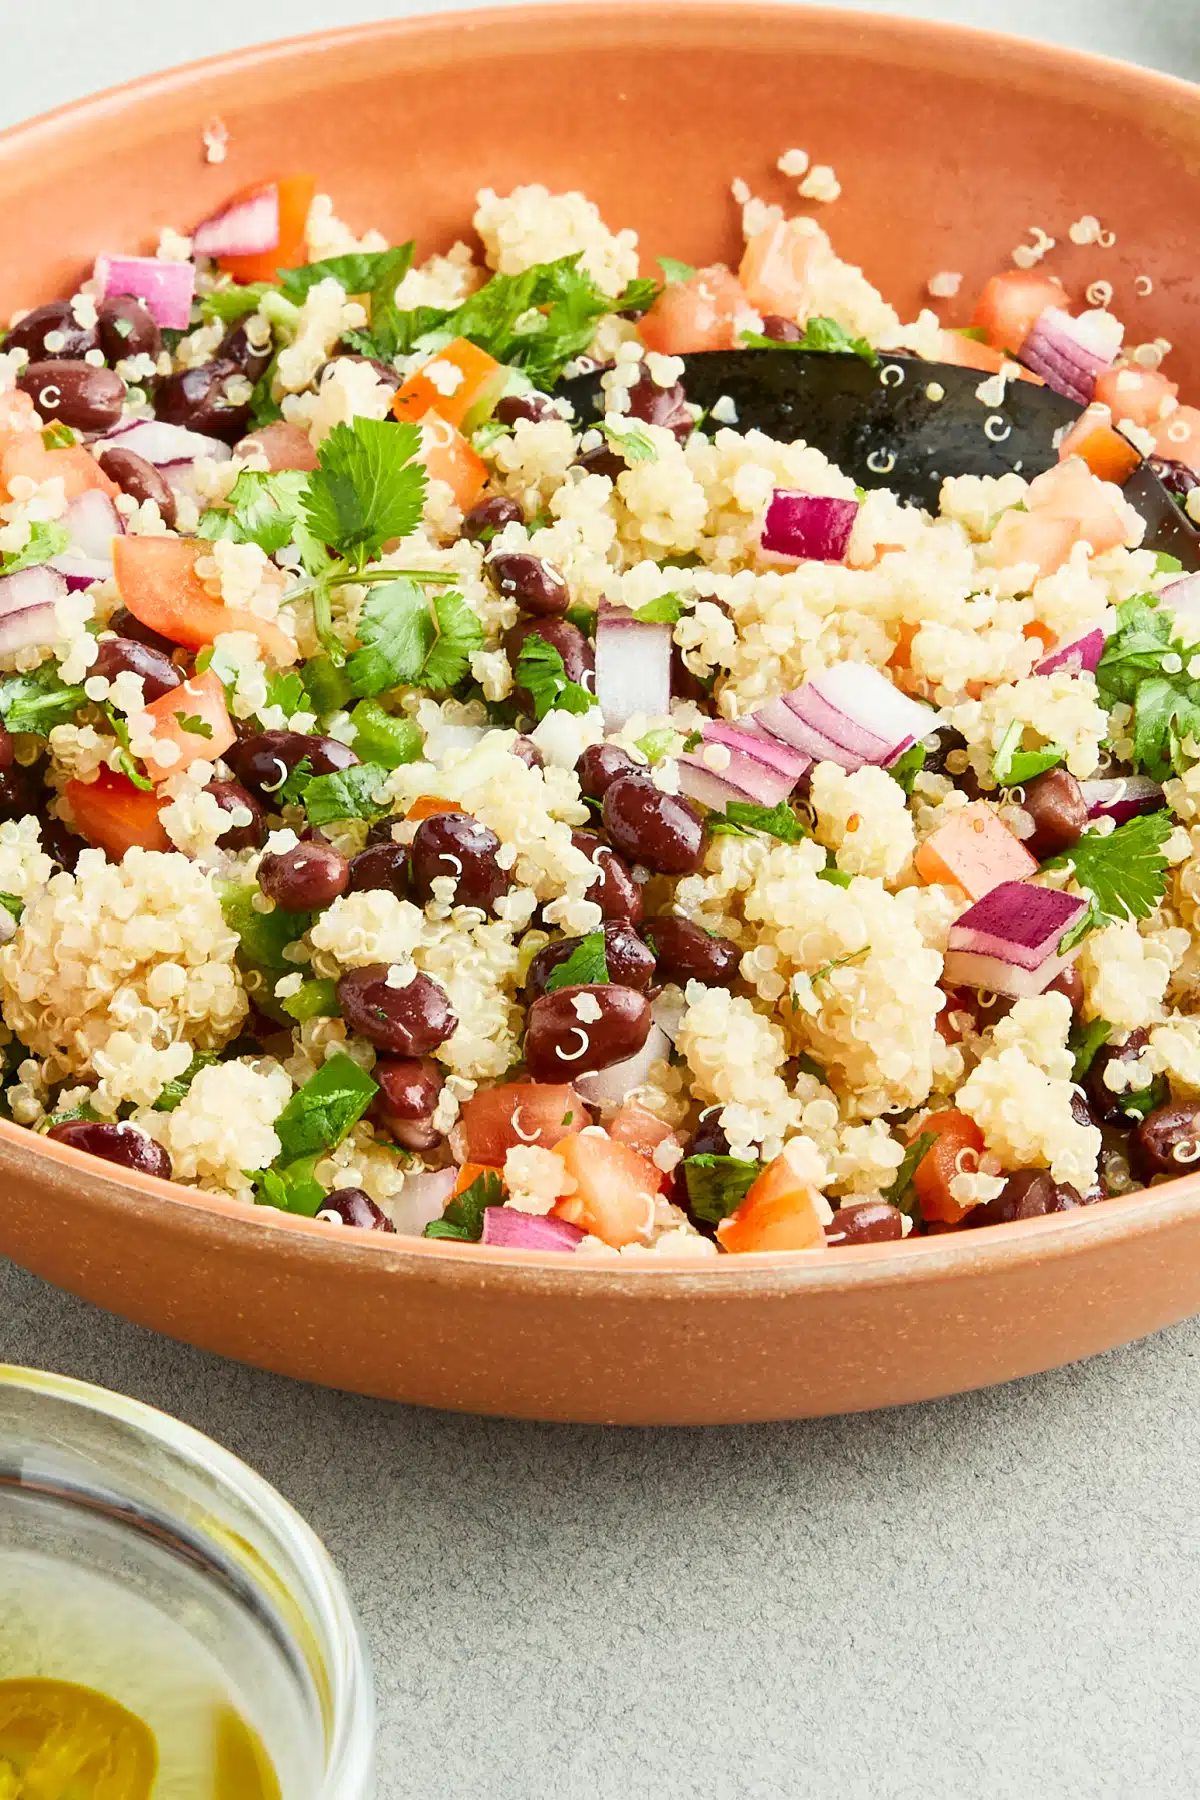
x=430 y=811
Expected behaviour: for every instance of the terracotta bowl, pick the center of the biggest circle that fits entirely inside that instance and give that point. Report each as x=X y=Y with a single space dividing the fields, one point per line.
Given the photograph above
x=949 y=145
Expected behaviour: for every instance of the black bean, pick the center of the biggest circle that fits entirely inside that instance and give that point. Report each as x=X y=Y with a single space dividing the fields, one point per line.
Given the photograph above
x=660 y=830
x=527 y=750
x=1055 y=803
x=57 y=320
x=1029 y=1194
x=1167 y=1142
x=665 y=406
x=7 y=750
x=1176 y=477
x=231 y=796
x=629 y=962
x=709 y=1137
x=61 y=843
x=304 y=878
x=126 y=626
x=684 y=684
x=128 y=328
x=614 y=890
x=118 y=655
x=196 y=399
x=390 y=377
x=380 y=866
x=21 y=792
x=74 y=394
x=687 y=952
x=252 y=359
x=1069 y=981
x=1109 y=1102
x=532 y=407
x=563 y=1039
x=140 y=480
x=489 y=516
x=603 y=460
x=454 y=844
x=535 y=585
x=781 y=330
x=601 y=765
x=405 y=1021
x=120 y=1143
x=357 y=1209
x=867 y=1222
x=408 y=1094
x=264 y=760
x=578 y=658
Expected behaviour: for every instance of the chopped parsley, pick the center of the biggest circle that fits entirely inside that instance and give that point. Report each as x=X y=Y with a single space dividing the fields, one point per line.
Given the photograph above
x=318 y=1115
x=267 y=510
x=1085 y=1042
x=411 y=639
x=39 y=701
x=1011 y=765
x=47 y=538
x=668 y=609
x=1124 y=873
x=174 y=1091
x=195 y=724
x=821 y=334
x=367 y=489
x=585 y=967
x=741 y=817
x=717 y=1185
x=541 y=673
x=906 y=768
x=1145 y=665
x=232 y=303
x=631 y=442
x=675 y=271
x=127 y=762
x=463 y=1217
x=346 y=794
x=58 y=436
x=901 y=1193
x=12 y=906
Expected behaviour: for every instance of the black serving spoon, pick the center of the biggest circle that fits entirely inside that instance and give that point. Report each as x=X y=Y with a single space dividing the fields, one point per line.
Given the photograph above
x=902 y=424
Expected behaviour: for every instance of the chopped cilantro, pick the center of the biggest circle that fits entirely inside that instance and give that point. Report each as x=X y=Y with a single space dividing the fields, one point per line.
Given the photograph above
x=59 y=437
x=667 y=609
x=1136 y=1104
x=315 y=1000
x=361 y=272
x=1011 y=765
x=346 y=794
x=293 y=1188
x=674 y=271
x=368 y=487
x=267 y=510
x=195 y=724
x=463 y=1217
x=807 y=1066
x=839 y=962
x=1165 y=564
x=382 y=738
x=1123 y=873
x=837 y=877
x=717 y=1185
x=541 y=673
x=174 y=1091
x=637 y=297
x=13 y=906
x=657 y=744
x=38 y=701
x=906 y=768
x=409 y=639
x=1084 y=1043
x=582 y=617
x=693 y=741
x=901 y=1192
x=1147 y=666
x=741 y=817
x=286 y=691
x=232 y=303
x=264 y=408
x=821 y=334
x=47 y=538
x=631 y=442
x=585 y=967
x=318 y=1115
x=290 y=791
x=129 y=766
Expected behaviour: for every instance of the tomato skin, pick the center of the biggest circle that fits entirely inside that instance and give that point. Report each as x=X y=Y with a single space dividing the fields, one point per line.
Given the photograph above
x=1135 y=396
x=615 y=1188
x=774 y=269
x=500 y=1119
x=285 y=446
x=1093 y=439
x=779 y=1212
x=295 y=198
x=482 y=382
x=201 y=699
x=938 y=1167
x=1011 y=304
x=157 y=580
x=639 y=1129
x=115 y=815
x=695 y=315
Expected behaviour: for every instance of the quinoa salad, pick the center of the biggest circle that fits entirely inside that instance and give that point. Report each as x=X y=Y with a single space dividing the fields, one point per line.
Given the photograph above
x=428 y=812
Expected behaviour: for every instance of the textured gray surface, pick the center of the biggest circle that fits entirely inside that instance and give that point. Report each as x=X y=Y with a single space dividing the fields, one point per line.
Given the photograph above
x=992 y=1596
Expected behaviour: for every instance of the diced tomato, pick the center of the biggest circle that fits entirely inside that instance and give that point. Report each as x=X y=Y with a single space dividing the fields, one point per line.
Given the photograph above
x=779 y=1212
x=426 y=805
x=1092 y=439
x=969 y=353
x=956 y=1134
x=1135 y=396
x=461 y=383
x=774 y=270
x=636 y=1126
x=500 y=1119
x=614 y=1188
x=194 y=718
x=471 y=1171
x=74 y=466
x=976 y=850
x=1178 y=438
x=114 y=814
x=697 y=314
x=448 y=457
x=1070 y=492
x=284 y=445
x=157 y=581
x=295 y=198
x=1011 y=304
x=1036 y=628
x=18 y=416
x=1028 y=537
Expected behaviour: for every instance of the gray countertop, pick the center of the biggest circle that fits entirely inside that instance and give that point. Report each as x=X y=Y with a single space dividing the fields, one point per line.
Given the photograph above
x=990 y=1596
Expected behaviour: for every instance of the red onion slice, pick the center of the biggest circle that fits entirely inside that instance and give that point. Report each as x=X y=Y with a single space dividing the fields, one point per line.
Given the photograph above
x=39 y=586
x=613 y=1086
x=713 y=791
x=1066 y=354
x=80 y=572
x=864 y=745
x=809 y=527
x=164 y=445
x=35 y=628
x=781 y=719
x=633 y=667
x=873 y=702
x=166 y=288
x=1182 y=595
x=758 y=767
x=1122 y=799
x=1083 y=655
x=93 y=522
x=514 y=1230
x=1008 y=941
x=245 y=228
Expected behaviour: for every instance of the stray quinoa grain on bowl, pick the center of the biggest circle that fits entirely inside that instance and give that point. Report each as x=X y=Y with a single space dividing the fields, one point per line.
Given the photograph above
x=430 y=812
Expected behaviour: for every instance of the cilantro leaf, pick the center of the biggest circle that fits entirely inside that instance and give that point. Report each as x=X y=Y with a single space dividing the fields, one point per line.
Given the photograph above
x=1011 y=765
x=637 y=297
x=901 y=1193
x=1124 y=872
x=717 y=1185
x=346 y=794
x=836 y=877
x=195 y=724
x=408 y=640
x=58 y=436
x=47 y=538
x=38 y=701
x=381 y=737
x=130 y=767
x=585 y=967
x=287 y=691
x=459 y=636
x=1084 y=1042
x=174 y=1091
x=632 y=443
x=1166 y=564
x=361 y=272
x=291 y=789
x=231 y=303
x=293 y=1188
x=1135 y=1104
x=267 y=510
x=674 y=271
x=368 y=488
x=12 y=906
x=463 y=1217
x=541 y=673
x=743 y=816
x=667 y=609
x=906 y=768
x=318 y=1115
x=1145 y=665
x=821 y=334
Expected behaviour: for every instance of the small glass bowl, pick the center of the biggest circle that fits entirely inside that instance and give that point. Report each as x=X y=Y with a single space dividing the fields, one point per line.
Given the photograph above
x=201 y=1575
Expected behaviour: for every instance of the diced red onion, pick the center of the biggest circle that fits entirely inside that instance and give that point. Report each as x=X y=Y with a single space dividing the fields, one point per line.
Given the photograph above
x=780 y=718
x=1122 y=799
x=166 y=445
x=613 y=1086
x=245 y=228
x=36 y=628
x=811 y=527
x=633 y=667
x=422 y=1199
x=93 y=522
x=1065 y=353
x=759 y=767
x=1008 y=941
x=39 y=586
x=81 y=571
x=858 y=741
x=1074 y=659
x=1182 y=595
x=165 y=287
x=515 y=1230
x=850 y=714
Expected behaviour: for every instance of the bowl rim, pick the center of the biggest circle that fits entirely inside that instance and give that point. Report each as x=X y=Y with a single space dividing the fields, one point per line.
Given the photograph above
x=207 y=1215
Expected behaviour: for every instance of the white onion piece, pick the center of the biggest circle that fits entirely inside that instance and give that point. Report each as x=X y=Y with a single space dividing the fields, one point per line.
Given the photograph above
x=866 y=695
x=165 y=288
x=36 y=628
x=1122 y=799
x=612 y=1086
x=422 y=1199
x=713 y=791
x=39 y=586
x=781 y=719
x=93 y=522
x=633 y=668
x=80 y=571
x=164 y=445
x=245 y=228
